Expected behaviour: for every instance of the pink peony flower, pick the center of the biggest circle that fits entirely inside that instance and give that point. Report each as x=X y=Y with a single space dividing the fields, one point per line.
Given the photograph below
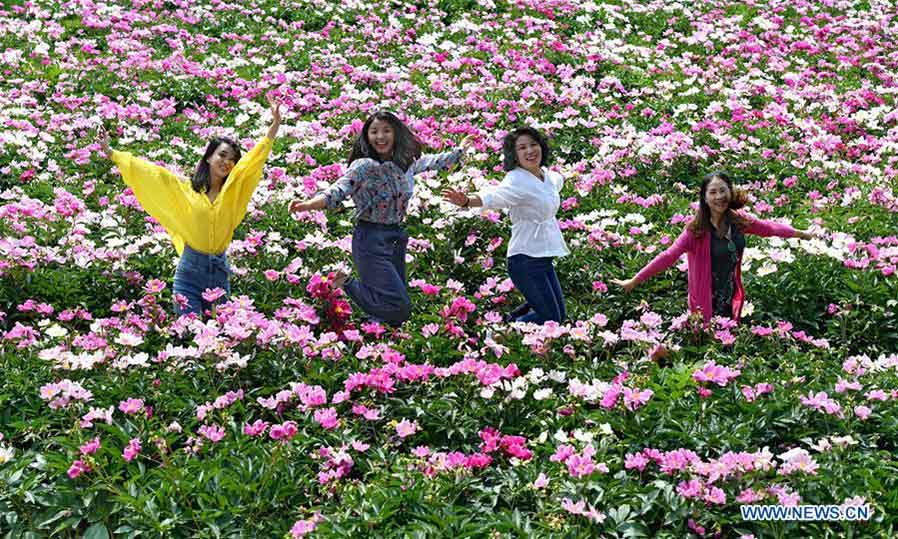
x=77 y=468
x=154 y=286
x=609 y=399
x=257 y=428
x=327 y=418
x=406 y=428
x=301 y=528
x=635 y=460
x=797 y=459
x=714 y=373
x=213 y=433
x=131 y=450
x=580 y=466
x=131 y=406
x=284 y=431
x=635 y=398
x=90 y=447
x=213 y=294
x=862 y=412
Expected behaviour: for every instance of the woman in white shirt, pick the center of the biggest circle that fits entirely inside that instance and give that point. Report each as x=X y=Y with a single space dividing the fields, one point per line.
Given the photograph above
x=530 y=193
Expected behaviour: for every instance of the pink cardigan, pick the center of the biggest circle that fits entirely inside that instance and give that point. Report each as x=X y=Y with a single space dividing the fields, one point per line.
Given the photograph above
x=698 y=251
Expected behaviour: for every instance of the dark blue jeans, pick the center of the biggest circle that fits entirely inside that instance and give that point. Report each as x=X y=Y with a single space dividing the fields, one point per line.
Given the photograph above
x=196 y=272
x=378 y=252
x=537 y=281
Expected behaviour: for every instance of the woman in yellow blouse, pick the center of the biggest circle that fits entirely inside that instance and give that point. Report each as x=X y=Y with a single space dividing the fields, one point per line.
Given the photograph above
x=199 y=215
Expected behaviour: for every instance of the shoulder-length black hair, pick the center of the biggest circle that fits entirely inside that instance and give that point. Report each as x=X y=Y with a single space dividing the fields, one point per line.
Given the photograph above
x=701 y=223
x=406 y=146
x=201 y=180
x=510 y=156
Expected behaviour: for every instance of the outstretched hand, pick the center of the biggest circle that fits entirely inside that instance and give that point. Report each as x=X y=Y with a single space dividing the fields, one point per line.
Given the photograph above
x=628 y=285
x=455 y=196
x=299 y=205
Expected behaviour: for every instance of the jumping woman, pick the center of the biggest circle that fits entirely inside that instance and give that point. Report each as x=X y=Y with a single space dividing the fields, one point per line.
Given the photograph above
x=380 y=180
x=199 y=214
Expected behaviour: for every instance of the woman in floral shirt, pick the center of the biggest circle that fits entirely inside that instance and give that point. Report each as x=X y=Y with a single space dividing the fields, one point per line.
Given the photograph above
x=384 y=161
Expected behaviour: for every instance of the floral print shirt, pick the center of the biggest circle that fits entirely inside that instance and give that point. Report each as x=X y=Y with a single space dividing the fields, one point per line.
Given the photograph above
x=381 y=191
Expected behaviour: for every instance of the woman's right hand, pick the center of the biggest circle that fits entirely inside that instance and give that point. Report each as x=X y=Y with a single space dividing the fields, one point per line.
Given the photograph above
x=455 y=196
x=299 y=205
x=319 y=202
x=628 y=285
x=103 y=141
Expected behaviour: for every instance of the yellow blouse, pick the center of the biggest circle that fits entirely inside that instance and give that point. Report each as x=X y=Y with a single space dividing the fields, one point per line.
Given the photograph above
x=187 y=216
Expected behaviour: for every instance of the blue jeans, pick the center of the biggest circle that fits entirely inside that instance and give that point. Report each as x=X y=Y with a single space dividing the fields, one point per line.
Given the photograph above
x=196 y=272
x=378 y=252
x=537 y=281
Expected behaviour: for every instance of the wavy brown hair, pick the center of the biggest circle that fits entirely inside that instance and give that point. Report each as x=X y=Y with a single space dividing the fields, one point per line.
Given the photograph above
x=406 y=146
x=701 y=223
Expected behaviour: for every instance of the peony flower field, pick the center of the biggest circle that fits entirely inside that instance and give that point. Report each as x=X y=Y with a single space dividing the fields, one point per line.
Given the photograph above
x=287 y=414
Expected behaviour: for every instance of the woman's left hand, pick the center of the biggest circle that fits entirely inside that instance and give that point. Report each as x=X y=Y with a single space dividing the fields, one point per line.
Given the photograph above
x=103 y=141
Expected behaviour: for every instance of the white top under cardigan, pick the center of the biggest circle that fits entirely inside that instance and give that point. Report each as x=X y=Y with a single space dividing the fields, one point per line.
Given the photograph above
x=532 y=205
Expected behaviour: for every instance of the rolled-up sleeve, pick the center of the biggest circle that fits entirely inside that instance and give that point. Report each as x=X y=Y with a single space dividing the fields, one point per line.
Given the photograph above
x=506 y=195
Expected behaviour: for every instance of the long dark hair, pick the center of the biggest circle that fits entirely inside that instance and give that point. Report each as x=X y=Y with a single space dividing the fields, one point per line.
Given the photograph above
x=701 y=223
x=201 y=180
x=406 y=146
x=510 y=156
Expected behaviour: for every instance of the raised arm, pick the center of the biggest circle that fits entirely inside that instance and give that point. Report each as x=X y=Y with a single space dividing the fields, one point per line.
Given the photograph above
x=441 y=161
x=159 y=191
x=436 y=161
x=246 y=174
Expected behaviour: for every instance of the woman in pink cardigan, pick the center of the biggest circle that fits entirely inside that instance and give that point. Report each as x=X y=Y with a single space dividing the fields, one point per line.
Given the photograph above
x=714 y=241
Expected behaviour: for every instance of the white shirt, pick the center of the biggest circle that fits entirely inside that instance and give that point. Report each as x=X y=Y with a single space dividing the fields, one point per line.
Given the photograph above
x=532 y=204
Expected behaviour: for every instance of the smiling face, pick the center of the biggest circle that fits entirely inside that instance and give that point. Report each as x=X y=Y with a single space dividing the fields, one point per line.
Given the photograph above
x=528 y=152
x=718 y=195
x=381 y=137
x=222 y=161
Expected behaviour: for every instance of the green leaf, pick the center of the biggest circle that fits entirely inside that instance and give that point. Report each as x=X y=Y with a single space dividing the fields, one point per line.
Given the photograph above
x=97 y=531
x=634 y=529
x=61 y=514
